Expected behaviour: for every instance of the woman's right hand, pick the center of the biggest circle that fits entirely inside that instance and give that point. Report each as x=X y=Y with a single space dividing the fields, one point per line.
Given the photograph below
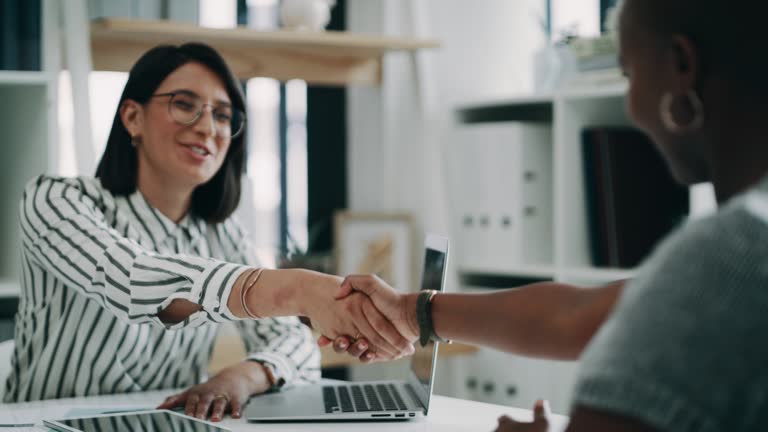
x=356 y=317
x=398 y=309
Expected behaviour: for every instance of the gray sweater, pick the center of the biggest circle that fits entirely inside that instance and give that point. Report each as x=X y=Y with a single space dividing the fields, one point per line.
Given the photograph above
x=685 y=349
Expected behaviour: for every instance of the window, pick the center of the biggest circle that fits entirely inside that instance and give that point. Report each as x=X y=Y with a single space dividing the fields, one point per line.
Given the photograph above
x=576 y=17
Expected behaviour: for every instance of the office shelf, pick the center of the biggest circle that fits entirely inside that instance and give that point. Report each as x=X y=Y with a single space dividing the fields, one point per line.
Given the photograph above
x=335 y=58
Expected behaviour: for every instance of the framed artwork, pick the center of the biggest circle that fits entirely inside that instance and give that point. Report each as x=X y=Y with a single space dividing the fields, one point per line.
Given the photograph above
x=376 y=243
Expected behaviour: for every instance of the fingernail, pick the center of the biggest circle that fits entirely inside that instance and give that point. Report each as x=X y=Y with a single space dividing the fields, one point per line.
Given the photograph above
x=363 y=346
x=369 y=356
x=343 y=345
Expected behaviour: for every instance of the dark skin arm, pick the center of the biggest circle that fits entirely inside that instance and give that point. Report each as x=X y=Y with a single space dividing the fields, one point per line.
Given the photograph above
x=550 y=320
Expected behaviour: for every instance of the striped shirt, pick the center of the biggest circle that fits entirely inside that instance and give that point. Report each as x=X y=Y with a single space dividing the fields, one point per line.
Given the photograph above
x=97 y=269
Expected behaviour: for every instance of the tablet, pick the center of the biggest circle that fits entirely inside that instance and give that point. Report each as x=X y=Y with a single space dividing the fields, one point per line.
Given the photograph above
x=138 y=421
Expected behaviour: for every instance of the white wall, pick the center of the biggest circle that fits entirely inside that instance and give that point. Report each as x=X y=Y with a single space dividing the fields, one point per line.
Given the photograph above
x=397 y=131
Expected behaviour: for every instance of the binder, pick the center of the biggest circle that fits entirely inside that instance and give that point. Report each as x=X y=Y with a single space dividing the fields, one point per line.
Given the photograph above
x=632 y=199
x=504 y=211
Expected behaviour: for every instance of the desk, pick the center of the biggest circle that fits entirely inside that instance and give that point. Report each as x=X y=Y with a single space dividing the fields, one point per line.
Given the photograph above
x=446 y=415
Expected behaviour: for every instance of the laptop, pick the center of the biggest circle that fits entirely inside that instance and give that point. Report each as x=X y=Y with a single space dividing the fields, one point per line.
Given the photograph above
x=404 y=399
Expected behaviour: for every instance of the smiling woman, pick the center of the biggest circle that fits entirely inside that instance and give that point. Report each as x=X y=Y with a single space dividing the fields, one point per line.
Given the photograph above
x=112 y=263
x=186 y=83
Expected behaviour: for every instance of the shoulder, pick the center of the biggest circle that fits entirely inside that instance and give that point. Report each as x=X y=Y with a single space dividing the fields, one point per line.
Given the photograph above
x=727 y=249
x=60 y=185
x=53 y=191
x=686 y=324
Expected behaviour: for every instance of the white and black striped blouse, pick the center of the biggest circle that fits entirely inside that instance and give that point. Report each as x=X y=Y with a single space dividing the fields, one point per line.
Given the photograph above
x=96 y=271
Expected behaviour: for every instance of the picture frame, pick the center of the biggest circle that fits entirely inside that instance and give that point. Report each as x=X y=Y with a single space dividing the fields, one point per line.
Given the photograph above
x=376 y=243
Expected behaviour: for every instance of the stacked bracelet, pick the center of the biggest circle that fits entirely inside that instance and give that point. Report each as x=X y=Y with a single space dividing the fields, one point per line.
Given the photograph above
x=247 y=285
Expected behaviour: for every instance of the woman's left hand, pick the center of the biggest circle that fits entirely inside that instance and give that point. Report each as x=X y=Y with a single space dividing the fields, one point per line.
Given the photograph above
x=228 y=391
x=540 y=422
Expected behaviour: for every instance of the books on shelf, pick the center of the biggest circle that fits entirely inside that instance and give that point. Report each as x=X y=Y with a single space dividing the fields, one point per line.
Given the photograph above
x=595 y=62
x=20 y=35
x=632 y=199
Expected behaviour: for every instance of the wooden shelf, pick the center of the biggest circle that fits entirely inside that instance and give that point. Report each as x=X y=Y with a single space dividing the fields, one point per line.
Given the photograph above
x=331 y=58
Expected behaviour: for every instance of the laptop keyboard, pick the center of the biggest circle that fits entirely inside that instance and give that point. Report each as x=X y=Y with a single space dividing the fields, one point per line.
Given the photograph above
x=362 y=398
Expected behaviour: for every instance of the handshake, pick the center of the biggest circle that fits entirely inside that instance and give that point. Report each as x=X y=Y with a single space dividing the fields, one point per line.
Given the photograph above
x=364 y=317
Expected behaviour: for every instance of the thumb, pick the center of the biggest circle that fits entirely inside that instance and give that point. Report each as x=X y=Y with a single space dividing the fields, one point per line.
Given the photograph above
x=363 y=283
x=541 y=410
x=344 y=290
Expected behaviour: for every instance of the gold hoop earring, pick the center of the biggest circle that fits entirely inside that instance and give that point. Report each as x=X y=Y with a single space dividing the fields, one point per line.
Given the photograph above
x=669 y=121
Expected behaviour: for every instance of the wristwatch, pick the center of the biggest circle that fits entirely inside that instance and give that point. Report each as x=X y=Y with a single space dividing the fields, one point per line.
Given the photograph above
x=275 y=383
x=424 y=318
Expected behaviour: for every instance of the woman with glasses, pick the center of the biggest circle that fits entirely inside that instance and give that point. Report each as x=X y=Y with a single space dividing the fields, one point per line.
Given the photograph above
x=126 y=275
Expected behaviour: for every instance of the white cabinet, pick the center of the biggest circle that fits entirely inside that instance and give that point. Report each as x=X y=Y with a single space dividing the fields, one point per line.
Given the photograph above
x=508 y=160
x=564 y=116
x=500 y=378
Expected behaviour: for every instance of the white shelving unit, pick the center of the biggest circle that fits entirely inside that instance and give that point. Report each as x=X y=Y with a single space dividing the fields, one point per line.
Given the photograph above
x=496 y=377
x=28 y=118
x=574 y=111
x=567 y=112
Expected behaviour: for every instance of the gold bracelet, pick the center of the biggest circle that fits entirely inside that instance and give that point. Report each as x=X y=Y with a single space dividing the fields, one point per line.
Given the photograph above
x=244 y=292
x=250 y=273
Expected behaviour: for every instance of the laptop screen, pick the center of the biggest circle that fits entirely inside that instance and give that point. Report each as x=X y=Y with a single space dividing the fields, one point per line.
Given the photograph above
x=433 y=278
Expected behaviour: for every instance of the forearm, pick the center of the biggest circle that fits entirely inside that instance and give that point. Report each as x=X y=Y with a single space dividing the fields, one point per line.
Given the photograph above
x=286 y=292
x=549 y=320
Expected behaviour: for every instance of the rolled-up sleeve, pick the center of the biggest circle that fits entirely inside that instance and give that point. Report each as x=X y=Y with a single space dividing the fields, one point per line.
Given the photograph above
x=285 y=345
x=64 y=231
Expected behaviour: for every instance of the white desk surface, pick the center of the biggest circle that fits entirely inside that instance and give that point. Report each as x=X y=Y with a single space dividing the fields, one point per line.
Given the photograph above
x=446 y=415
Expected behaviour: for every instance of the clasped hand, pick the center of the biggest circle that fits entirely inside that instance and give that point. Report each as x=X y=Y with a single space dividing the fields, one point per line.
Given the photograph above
x=378 y=316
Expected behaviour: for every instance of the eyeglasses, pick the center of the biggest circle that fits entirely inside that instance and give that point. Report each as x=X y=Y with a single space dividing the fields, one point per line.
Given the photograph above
x=186 y=108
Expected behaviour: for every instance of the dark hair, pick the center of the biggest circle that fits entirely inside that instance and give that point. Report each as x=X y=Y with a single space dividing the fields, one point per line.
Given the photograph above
x=726 y=33
x=213 y=201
